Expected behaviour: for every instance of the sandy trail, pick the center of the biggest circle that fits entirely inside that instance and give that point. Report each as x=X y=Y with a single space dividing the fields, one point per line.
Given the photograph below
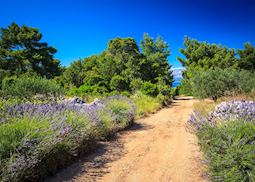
x=155 y=149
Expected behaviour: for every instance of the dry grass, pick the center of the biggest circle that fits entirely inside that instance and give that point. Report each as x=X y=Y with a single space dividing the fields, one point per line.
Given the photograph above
x=247 y=96
x=205 y=106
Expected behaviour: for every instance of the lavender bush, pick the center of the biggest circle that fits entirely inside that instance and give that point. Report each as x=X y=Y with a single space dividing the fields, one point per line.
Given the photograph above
x=238 y=110
x=232 y=110
x=36 y=139
x=226 y=136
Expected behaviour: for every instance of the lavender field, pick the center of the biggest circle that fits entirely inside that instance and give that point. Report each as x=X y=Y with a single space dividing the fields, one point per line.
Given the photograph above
x=37 y=139
x=226 y=136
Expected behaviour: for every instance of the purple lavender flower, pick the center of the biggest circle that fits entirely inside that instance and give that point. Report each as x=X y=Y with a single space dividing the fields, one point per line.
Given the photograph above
x=240 y=110
x=236 y=110
x=63 y=129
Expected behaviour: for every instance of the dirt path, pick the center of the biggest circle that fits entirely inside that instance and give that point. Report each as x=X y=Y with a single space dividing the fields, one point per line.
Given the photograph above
x=156 y=149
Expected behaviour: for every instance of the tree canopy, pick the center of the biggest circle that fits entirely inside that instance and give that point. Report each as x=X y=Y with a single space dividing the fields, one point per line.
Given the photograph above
x=21 y=51
x=203 y=56
x=122 y=65
x=247 y=57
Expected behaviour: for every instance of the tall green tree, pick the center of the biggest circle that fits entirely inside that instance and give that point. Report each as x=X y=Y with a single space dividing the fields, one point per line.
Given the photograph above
x=125 y=54
x=21 y=51
x=247 y=57
x=154 y=65
x=123 y=67
x=74 y=74
x=203 y=56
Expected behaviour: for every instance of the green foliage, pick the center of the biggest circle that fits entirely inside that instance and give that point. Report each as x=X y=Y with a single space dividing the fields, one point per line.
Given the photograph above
x=119 y=109
x=3 y=74
x=230 y=150
x=149 y=88
x=220 y=82
x=12 y=134
x=201 y=56
x=73 y=75
x=85 y=90
x=146 y=104
x=164 y=89
x=21 y=51
x=185 y=88
x=247 y=57
x=136 y=84
x=154 y=65
x=27 y=87
x=122 y=67
x=119 y=83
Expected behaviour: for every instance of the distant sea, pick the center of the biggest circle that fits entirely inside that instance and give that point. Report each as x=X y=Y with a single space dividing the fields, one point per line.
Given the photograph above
x=177 y=74
x=176 y=83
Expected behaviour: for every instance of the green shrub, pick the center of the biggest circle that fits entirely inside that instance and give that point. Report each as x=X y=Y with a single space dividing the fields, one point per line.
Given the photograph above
x=119 y=108
x=12 y=133
x=99 y=90
x=39 y=139
x=118 y=83
x=230 y=149
x=26 y=87
x=146 y=104
x=3 y=74
x=185 y=88
x=217 y=82
x=136 y=84
x=149 y=88
x=85 y=90
x=125 y=93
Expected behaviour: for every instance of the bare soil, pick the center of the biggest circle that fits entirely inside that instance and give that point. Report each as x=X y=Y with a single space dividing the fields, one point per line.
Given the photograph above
x=157 y=148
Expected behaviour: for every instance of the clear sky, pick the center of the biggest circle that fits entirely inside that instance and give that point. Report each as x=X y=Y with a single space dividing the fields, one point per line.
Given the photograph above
x=80 y=28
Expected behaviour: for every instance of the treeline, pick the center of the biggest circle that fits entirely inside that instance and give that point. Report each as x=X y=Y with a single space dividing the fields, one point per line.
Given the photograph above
x=125 y=67
x=213 y=70
x=122 y=67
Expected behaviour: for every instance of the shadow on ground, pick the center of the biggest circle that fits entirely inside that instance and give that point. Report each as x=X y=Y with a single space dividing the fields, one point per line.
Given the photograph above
x=94 y=165
x=183 y=98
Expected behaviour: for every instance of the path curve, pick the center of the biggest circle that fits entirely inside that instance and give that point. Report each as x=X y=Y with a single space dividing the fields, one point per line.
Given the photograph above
x=155 y=149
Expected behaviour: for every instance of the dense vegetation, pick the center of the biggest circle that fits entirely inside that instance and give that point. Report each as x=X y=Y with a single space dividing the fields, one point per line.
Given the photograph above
x=217 y=82
x=225 y=129
x=122 y=68
x=216 y=68
x=37 y=139
x=41 y=130
x=226 y=136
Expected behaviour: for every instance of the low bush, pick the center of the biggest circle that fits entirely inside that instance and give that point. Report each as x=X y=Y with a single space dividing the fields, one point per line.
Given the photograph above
x=149 y=88
x=146 y=104
x=230 y=150
x=37 y=139
x=222 y=113
x=216 y=83
x=3 y=74
x=185 y=88
x=226 y=136
x=27 y=87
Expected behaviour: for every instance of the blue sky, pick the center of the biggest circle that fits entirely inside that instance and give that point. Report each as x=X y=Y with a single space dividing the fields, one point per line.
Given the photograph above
x=80 y=28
